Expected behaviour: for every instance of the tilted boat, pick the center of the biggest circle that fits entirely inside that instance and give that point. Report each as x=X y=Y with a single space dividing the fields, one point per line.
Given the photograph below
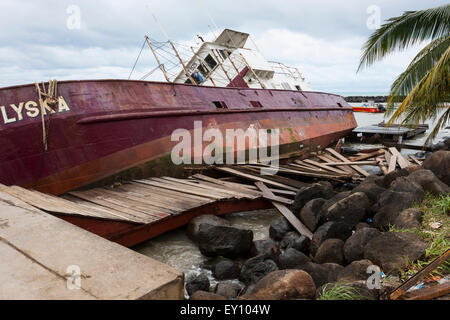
x=57 y=137
x=370 y=107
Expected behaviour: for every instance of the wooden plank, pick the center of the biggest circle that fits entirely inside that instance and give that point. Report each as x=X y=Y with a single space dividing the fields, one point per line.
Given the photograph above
x=428 y=293
x=392 y=163
x=294 y=171
x=349 y=163
x=324 y=166
x=274 y=177
x=314 y=168
x=382 y=166
x=90 y=196
x=233 y=185
x=183 y=187
x=402 y=162
x=300 y=227
x=255 y=178
x=341 y=157
x=414 y=159
x=401 y=290
x=369 y=155
x=180 y=187
x=388 y=156
x=176 y=194
x=309 y=169
x=330 y=159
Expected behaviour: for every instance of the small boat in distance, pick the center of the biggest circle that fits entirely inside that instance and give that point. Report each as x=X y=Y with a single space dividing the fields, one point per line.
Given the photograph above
x=61 y=136
x=370 y=107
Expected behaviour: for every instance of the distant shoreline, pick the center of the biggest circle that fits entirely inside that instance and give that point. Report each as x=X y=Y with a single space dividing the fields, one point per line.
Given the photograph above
x=376 y=99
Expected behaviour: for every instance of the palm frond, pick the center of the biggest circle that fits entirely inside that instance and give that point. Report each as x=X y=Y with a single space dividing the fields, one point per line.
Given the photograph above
x=404 y=31
x=424 y=61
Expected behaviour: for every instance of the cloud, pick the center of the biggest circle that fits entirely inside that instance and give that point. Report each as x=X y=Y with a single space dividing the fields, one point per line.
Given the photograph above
x=323 y=38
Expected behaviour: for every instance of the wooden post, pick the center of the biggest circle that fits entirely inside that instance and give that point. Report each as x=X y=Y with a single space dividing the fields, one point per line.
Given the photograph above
x=157 y=59
x=253 y=71
x=221 y=65
x=182 y=63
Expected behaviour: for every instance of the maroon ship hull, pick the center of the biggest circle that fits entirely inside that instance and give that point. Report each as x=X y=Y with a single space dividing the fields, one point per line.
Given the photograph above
x=101 y=129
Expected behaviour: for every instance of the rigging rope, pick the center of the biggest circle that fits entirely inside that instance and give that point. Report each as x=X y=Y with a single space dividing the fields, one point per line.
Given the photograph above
x=137 y=59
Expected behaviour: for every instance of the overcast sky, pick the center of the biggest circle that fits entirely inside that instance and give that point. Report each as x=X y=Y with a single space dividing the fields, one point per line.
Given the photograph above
x=323 y=38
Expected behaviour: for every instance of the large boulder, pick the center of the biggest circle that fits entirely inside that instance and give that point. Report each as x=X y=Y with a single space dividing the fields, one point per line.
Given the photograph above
x=392 y=176
x=355 y=271
x=392 y=250
x=354 y=246
x=205 y=296
x=194 y=225
x=371 y=190
x=322 y=273
x=439 y=163
x=321 y=189
x=284 y=285
x=279 y=227
x=228 y=290
x=265 y=247
x=350 y=210
x=224 y=241
x=331 y=229
x=292 y=259
x=429 y=182
x=256 y=268
x=196 y=283
x=330 y=251
x=312 y=213
x=296 y=241
x=409 y=218
x=226 y=269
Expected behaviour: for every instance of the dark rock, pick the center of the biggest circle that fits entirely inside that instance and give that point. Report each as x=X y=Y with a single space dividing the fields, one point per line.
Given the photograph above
x=194 y=224
x=285 y=285
x=409 y=218
x=392 y=176
x=350 y=210
x=227 y=269
x=429 y=182
x=197 y=283
x=339 y=196
x=322 y=273
x=205 y=296
x=354 y=246
x=378 y=180
x=292 y=259
x=265 y=247
x=312 y=214
x=439 y=163
x=279 y=228
x=256 y=268
x=402 y=184
x=371 y=190
x=392 y=250
x=322 y=189
x=330 y=251
x=362 y=225
x=224 y=241
x=295 y=241
x=355 y=271
x=228 y=290
x=332 y=229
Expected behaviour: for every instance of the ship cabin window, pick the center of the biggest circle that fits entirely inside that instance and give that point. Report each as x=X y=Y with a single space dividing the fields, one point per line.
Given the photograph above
x=224 y=54
x=298 y=88
x=220 y=104
x=256 y=104
x=340 y=105
x=286 y=86
x=202 y=71
x=188 y=81
x=210 y=61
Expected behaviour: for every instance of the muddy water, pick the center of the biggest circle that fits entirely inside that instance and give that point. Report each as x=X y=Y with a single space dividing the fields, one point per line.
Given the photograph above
x=176 y=250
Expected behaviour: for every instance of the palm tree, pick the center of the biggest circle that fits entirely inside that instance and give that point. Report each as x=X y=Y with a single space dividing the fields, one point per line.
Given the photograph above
x=424 y=87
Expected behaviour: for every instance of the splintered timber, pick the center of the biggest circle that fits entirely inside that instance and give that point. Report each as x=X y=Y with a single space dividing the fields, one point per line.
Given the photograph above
x=31 y=109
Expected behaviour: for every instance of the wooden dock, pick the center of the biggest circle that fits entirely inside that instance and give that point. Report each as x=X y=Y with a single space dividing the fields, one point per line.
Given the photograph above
x=135 y=211
x=382 y=132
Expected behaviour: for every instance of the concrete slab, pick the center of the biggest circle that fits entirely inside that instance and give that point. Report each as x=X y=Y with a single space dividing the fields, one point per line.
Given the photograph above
x=39 y=252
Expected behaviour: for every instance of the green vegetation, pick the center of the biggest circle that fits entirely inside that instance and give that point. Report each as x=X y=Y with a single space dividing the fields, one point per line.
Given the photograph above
x=426 y=80
x=435 y=230
x=340 y=291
